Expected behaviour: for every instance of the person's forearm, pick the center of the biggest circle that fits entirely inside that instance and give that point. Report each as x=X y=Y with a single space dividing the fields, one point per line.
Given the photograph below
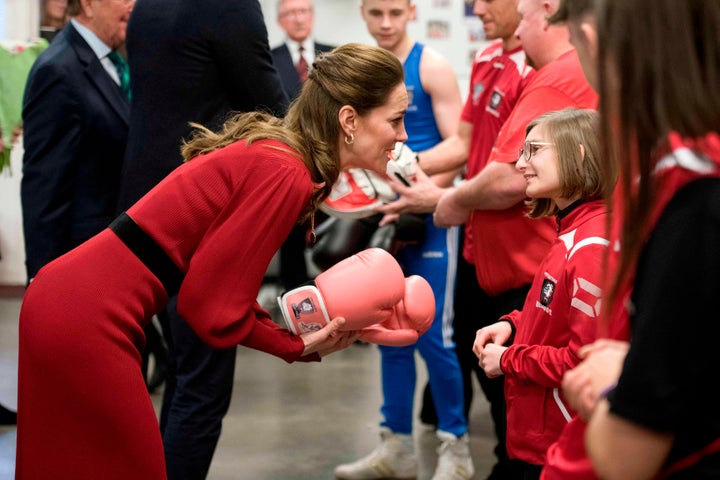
x=622 y=450
x=445 y=179
x=447 y=156
x=495 y=188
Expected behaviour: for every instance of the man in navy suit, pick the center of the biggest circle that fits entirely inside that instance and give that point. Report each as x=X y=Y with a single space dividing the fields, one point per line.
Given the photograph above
x=192 y=61
x=293 y=59
x=75 y=119
x=296 y=18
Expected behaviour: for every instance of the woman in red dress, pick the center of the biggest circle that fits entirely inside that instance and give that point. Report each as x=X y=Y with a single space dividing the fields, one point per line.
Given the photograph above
x=208 y=231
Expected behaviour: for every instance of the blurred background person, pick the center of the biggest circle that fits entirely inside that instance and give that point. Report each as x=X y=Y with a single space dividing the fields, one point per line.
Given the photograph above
x=293 y=60
x=53 y=18
x=75 y=121
x=295 y=56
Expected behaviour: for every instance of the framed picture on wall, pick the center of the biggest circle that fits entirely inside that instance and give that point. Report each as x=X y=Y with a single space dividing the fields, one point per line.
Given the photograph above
x=469 y=8
x=438 y=29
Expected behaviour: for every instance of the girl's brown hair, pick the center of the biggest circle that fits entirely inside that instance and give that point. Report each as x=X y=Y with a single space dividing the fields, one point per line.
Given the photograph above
x=579 y=171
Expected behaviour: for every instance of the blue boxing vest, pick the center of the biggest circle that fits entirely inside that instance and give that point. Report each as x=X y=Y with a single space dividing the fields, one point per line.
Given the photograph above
x=420 y=118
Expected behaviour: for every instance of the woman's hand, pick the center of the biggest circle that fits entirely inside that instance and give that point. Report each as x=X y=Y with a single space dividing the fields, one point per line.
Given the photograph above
x=329 y=339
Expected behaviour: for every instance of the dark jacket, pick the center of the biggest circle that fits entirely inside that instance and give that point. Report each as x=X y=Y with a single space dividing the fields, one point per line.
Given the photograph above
x=196 y=62
x=75 y=123
x=286 y=68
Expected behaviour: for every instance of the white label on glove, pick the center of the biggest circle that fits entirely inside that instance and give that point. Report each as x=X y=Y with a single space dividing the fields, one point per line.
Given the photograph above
x=304 y=310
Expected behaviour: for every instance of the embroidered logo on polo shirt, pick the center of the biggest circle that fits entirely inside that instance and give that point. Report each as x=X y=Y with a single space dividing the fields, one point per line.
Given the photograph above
x=495 y=100
x=494 y=103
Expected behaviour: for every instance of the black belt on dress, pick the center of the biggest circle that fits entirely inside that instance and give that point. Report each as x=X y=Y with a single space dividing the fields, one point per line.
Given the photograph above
x=149 y=252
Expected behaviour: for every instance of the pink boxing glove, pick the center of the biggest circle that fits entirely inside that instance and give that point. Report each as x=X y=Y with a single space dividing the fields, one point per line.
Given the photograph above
x=363 y=289
x=412 y=317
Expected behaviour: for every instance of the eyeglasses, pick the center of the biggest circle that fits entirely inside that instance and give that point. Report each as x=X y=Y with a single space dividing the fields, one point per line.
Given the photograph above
x=300 y=12
x=531 y=148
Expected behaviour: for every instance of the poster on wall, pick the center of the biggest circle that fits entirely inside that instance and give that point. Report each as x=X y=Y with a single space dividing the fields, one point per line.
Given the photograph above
x=475 y=32
x=438 y=29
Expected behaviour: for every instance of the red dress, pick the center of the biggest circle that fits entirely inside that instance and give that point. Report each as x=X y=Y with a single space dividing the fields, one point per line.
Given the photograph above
x=83 y=407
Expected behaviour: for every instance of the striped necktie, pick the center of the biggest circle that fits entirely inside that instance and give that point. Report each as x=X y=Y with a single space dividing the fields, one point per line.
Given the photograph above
x=123 y=71
x=302 y=66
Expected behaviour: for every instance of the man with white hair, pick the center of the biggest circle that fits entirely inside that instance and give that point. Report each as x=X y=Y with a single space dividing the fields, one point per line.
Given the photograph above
x=293 y=59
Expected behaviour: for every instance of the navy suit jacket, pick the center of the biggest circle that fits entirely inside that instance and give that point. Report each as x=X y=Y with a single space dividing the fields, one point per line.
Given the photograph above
x=286 y=68
x=75 y=121
x=191 y=61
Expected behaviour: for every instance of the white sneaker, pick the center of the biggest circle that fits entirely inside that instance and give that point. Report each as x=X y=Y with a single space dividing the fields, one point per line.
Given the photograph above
x=454 y=460
x=392 y=459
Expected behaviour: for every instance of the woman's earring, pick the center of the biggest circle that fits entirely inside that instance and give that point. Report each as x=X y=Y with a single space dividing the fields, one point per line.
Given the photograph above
x=349 y=140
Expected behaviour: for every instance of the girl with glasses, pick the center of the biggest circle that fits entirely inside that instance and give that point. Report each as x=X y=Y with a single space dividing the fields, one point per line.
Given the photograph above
x=535 y=346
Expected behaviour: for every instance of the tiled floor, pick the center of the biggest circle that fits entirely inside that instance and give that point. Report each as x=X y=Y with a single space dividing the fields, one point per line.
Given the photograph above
x=286 y=422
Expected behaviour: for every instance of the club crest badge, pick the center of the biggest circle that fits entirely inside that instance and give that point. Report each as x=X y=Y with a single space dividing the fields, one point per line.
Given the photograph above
x=495 y=100
x=547 y=292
